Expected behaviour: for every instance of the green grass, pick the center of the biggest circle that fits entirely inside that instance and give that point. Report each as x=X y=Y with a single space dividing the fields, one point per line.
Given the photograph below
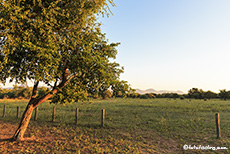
x=131 y=125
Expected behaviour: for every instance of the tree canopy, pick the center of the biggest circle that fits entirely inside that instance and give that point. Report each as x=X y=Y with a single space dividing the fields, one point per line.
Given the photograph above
x=56 y=42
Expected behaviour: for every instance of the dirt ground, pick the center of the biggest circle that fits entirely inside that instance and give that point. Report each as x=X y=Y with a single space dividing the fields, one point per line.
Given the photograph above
x=7 y=131
x=27 y=145
x=51 y=140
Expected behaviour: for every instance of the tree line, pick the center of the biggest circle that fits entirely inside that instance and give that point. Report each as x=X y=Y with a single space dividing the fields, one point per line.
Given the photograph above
x=193 y=93
x=20 y=92
x=121 y=89
x=24 y=92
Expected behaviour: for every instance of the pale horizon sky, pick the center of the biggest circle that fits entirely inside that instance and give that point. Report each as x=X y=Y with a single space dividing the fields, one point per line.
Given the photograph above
x=172 y=44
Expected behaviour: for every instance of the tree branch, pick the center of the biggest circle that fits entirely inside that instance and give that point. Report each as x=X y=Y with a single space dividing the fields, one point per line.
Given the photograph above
x=65 y=73
x=55 y=84
x=48 y=84
x=35 y=89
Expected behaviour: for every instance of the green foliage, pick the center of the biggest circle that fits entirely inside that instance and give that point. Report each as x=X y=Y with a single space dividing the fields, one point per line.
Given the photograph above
x=200 y=94
x=147 y=96
x=182 y=97
x=134 y=95
x=209 y=94
x=42 y=91
x=150 y=95
x=224 y=94
x=25 y=93
x=121 y=88
x=59 y=43
x=21 y=92
x=107 y=94
x=195 y=93
x=143 y=96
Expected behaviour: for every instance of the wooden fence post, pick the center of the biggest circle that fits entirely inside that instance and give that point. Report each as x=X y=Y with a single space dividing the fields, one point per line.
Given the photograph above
x=76 y=116
x=35 y=114
x=53 y=117
x=4 y=111
x=218 y=125
x=102 y=117
x=18 y=109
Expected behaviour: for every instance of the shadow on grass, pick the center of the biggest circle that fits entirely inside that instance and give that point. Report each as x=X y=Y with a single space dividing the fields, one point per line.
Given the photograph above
x=6 y=140
x=73 y=125
x=26 y=139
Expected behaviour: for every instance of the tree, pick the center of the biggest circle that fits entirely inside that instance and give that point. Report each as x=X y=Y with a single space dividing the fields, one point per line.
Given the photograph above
x=175 y=95
x=195 y=93
x=134 y=95
x=121 y=89
x=150 y=95
x=209 y=94
x=223 y=94
x=182 y=97
x=107 y=94
x=58 y=43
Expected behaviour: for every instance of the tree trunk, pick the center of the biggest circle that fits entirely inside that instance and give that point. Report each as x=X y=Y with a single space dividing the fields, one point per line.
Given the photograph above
x=19 y=133
x=34 y=102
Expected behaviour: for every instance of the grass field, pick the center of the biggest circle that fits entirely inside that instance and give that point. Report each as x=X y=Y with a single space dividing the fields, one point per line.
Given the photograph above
x=131 y=126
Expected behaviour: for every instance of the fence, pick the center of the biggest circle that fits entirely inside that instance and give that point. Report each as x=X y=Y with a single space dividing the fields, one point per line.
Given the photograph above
x=76 y=120
x=76 y=116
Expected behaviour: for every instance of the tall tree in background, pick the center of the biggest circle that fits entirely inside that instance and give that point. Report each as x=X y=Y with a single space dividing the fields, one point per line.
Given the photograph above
x=59 y=43
x=223 y=94
x=195 y=93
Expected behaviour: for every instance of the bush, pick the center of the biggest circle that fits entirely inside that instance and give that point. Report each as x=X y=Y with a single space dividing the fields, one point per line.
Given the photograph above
x=144 y=96
x=135 y=95
x=148 y=95
x=182 y=97
x=107 y=94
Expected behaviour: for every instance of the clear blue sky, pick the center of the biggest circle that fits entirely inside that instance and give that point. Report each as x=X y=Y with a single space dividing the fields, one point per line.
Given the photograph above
x=172 y=44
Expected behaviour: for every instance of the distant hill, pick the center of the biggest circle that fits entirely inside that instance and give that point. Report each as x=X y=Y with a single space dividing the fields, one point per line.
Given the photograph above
x=158 y=92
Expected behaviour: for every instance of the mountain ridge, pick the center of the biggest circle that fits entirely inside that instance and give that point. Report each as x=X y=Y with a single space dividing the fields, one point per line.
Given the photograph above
x=158 y=91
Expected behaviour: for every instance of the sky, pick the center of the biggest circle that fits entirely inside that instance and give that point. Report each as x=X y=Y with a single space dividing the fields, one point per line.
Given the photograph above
x=172 y=44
